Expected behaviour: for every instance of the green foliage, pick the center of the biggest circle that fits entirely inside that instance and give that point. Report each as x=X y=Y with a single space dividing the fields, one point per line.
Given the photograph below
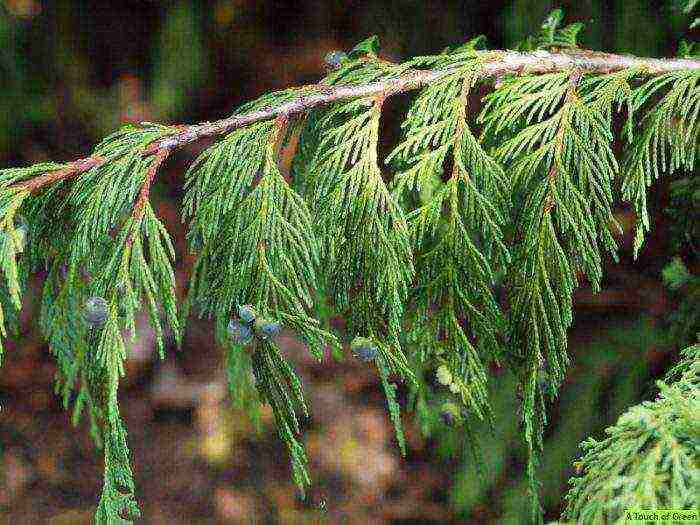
x=385 y=366
x=369 y=46
x=467 y=257
x=648 y=459
x=552 y=35
x=105 y=252
x=362 y=231
x=608 y=377
x=558 y=151
x=668 y=140
x=279 y=386
x=675 y=274
x=246 y=218
x=11 y=288
x=241 y=381
x=117 y=504
x=458 y=252
x=688 y=49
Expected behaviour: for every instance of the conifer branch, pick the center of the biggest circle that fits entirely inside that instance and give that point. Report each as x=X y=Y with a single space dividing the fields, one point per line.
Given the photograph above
x=497 y=64
x=73 y=169
x=648 y=459
x=159 y=158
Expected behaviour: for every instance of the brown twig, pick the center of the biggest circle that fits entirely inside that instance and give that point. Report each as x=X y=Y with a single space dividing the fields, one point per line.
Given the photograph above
x=142 y=199
x=140 y=205
x=281 y=123
x=73 y=169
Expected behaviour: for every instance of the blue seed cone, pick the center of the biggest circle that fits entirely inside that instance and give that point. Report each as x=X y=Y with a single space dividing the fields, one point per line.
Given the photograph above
x=247 y=313
x=96 y=311
x=363 y=348
x=335 y=58
x=449 y=413
x=267 y=327
x=239 y=333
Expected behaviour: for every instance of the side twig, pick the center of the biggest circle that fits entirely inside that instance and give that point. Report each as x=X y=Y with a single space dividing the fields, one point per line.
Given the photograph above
x=73 y=169
x=139 y=207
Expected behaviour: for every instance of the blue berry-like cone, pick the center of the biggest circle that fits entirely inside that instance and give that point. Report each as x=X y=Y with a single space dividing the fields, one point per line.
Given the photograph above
x=240 y=333
x=367 y=353
x=247 y=313
x=267 y=328
x=364 y=348
x=96 y=311
x=449 y=413
x=448 y=418
x=271 y=329
x=336 y=58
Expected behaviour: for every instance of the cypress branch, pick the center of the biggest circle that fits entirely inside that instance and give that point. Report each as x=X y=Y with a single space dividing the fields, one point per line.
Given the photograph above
x=414 y=263
x=498 y=63
x=305 y=98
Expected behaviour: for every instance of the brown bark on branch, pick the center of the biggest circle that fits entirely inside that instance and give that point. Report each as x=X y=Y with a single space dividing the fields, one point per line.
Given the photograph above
x=73 y=169
x=139 y=207
x=496 y=64
x=501 y=63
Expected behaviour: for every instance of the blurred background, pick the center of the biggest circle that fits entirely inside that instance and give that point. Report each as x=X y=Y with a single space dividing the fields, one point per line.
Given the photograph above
x=71 y=72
